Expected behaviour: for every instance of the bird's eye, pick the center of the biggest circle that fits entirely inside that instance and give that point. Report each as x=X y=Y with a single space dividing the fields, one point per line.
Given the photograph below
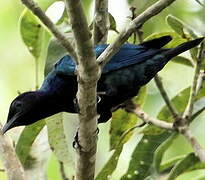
x=18 y=104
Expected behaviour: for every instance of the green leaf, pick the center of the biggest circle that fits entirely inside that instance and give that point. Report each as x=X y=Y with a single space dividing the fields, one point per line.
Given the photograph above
x=201 y=177
x=122 y=121
x=113 y=25
x=183 y=61
x=189 y=163
x=170 y=163
x=111 y=165
x=176 y=39
x=158 y=155
x=199 y=2
x=33 y=33
x=55 y=52
x=141 y=162
x=176 y=24
x=57 y=138
x=25 y=142
x=179 y=101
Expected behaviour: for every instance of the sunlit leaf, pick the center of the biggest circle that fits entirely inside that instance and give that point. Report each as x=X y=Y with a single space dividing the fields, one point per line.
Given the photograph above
x=189 y=163
x=122 y=121
x=25 y=142
x=183 y=61
x=179 y=101
x=158 y=155
x=141 y=162
x=201 y=177
x=33 y=33
x=57 y=138
x=111 y=165
x=170 y=163
x=55 y=52
x=176 y=25
x=199 y=2
x=113 y=25
x=176 y=39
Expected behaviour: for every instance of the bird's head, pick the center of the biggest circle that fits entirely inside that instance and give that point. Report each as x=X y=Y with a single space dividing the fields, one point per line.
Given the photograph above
x=25 y=109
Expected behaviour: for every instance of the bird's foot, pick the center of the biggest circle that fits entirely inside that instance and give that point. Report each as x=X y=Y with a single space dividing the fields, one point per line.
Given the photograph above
x=76 y=105
x=76 y=143
x=101 y=93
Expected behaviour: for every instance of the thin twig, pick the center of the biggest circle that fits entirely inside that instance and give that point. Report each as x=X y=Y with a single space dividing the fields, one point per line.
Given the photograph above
x=100 y=25
x=135 y=24
x=165 y=97
x=184 y=130
x=8 y=156
x=131 y=107
x=2 y=170
x=30 y=4
x=88 y=74
x=189 y=109
x=62 y=171
x=200 y=152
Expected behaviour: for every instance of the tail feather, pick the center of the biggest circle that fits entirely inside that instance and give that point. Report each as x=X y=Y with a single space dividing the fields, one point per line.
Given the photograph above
x=170 y=53
x=157 y=43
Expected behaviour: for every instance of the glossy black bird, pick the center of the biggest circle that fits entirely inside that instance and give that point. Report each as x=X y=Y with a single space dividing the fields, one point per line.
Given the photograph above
x=132 y=67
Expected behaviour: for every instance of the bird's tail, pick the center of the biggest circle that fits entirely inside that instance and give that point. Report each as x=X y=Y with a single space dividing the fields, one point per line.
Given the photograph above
x=170 y=53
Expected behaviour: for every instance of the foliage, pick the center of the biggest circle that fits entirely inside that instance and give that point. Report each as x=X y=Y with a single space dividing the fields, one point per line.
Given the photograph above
x=148 y=157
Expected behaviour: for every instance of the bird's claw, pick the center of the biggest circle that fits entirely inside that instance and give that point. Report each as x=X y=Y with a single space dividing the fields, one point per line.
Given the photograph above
x=76 y=144
x=76 y=105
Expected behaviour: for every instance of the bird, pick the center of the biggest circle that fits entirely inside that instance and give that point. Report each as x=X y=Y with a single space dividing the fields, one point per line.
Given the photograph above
x=132 y=67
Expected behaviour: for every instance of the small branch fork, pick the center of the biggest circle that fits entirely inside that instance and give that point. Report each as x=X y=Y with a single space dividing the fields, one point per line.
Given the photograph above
x=181 y=123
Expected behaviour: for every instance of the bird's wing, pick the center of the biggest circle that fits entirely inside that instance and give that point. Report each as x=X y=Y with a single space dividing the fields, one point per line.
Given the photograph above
x=129 y=54
x=65 y=66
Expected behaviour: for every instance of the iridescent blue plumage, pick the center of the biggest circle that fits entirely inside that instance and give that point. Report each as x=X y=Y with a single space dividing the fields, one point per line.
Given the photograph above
x=129 y=54
x=132 y=67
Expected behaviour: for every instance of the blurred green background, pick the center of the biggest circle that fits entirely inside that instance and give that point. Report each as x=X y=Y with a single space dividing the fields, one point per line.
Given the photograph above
x=17 y=74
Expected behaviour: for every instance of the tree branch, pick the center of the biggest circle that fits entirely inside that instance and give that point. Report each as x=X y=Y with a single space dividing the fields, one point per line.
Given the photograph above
x=100 y=25
x=165 y=97
x=11 y=162
x=150 y=120
x=30 y=4
x=189 y=109
x=200 y=152
x=135 y=24
x=88 y=75
x=184 y=130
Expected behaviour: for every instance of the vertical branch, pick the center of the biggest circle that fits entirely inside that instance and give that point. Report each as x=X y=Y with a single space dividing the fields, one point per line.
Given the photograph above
x=135 y=24
x=11 y=162
x=189 y=109
x=100 y=25
x=88 y=75
x=165 y=97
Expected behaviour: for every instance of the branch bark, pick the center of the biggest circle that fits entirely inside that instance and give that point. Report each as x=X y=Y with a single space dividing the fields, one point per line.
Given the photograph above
x=100 y=25
x=165 y=97
x=150 y=120
x=88 y=75
x=189 y=109
x=30 y=4
x=199 y=151
x=11 y=162
x=135 y=24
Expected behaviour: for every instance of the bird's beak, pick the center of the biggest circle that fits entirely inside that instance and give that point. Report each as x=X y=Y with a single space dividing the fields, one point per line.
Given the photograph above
x=9 y=125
